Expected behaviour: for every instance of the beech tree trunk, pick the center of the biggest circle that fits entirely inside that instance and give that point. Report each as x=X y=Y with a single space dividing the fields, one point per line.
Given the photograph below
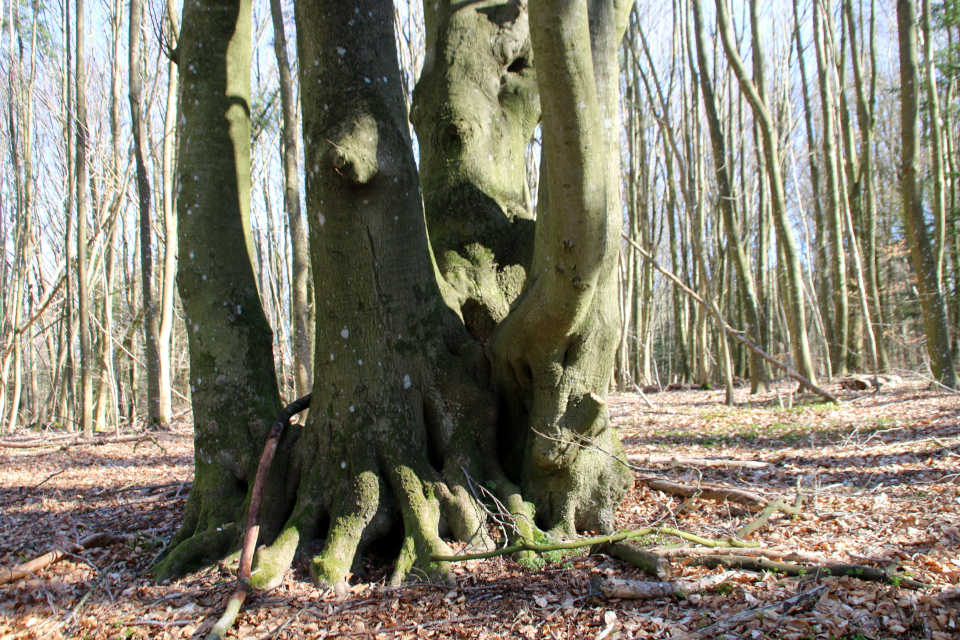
x=840 y=318
x=759 y=375
x=299 y=257
x=410 y=413
x=921 y=248
x=83 y=294
x=755 y=94
x=474 y=109
x=232 y=380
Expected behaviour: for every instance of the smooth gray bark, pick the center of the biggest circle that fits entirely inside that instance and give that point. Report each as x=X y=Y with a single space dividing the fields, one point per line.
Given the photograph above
x=921 y=248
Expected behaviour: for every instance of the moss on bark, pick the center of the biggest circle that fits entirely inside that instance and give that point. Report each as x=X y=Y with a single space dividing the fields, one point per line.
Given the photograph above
x=231 y=356
x=414 y=420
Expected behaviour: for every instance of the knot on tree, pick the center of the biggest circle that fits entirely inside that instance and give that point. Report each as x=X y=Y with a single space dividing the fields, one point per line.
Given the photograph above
x=353 y=152
x=552 y=452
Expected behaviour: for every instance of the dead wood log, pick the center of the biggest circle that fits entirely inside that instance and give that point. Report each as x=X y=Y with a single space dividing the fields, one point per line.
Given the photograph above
x=229 y=616
x=748 y=499
x=649 y=590
x=859 y=382
x=786 y=555
x=747 y=563
x=55 y=555
x=737 y=619
x=648 y=459
x=72 y=441
x=647 y=561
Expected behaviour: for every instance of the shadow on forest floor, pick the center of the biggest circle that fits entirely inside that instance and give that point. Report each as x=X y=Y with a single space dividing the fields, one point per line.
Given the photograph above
x=880 y=474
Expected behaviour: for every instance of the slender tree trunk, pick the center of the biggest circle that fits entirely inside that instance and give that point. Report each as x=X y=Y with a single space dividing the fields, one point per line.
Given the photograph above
x=170 y=246
x=793 y=294
x=840 y=345
x=151 y=325
x=866 y=107
x=302 y=335
x=936 y=144
x=921 y=248
x=759 y=374
x=107 y=401
x=83 y=294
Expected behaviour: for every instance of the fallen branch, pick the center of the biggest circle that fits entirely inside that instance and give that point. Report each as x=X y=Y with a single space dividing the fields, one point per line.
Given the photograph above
x=26 y=569
x=527 y=545
x=737 y=619
x=73 y=441
x=777 y=505
x=761 y=565
x=649 y=459
x=225 y=623
x=788 y=555
x=710 y=492
x=647 y=590
x=630 y=551
x=147 y=622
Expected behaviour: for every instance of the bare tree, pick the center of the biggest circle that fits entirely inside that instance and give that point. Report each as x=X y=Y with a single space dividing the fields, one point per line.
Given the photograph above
x=921 y=248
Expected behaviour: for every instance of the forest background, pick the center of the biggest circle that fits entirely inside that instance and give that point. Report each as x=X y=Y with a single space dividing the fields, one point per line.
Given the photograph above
x=92 y=296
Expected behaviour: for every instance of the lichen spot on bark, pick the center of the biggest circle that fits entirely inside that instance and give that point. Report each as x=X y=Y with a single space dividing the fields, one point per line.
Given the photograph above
x=352 y=153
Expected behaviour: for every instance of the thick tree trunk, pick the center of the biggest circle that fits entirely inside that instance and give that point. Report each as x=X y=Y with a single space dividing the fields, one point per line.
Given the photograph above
x=553 y=354
x=921 y=248
x=234 y=389
x=474 y=109
x=404 y=426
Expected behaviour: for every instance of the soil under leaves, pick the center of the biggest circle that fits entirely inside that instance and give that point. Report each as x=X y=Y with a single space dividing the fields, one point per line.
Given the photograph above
x=880 y=474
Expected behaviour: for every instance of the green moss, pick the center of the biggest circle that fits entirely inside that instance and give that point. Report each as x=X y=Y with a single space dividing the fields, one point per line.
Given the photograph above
x=271 y=562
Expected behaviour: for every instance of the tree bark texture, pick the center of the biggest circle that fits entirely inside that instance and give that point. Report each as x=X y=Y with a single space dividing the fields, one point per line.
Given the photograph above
x=233 y=385
x=474 y=109
x=299 y=254
x=921 y=248
x=412 y=417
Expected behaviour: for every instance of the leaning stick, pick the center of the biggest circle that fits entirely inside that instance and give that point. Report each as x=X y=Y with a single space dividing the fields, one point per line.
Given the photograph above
x=728 y=330
x=225 y=623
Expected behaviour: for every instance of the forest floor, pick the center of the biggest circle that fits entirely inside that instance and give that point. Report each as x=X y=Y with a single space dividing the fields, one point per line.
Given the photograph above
x=881 y=477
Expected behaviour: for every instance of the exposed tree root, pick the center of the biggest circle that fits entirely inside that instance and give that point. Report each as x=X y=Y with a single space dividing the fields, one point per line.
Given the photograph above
x=55 y=555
